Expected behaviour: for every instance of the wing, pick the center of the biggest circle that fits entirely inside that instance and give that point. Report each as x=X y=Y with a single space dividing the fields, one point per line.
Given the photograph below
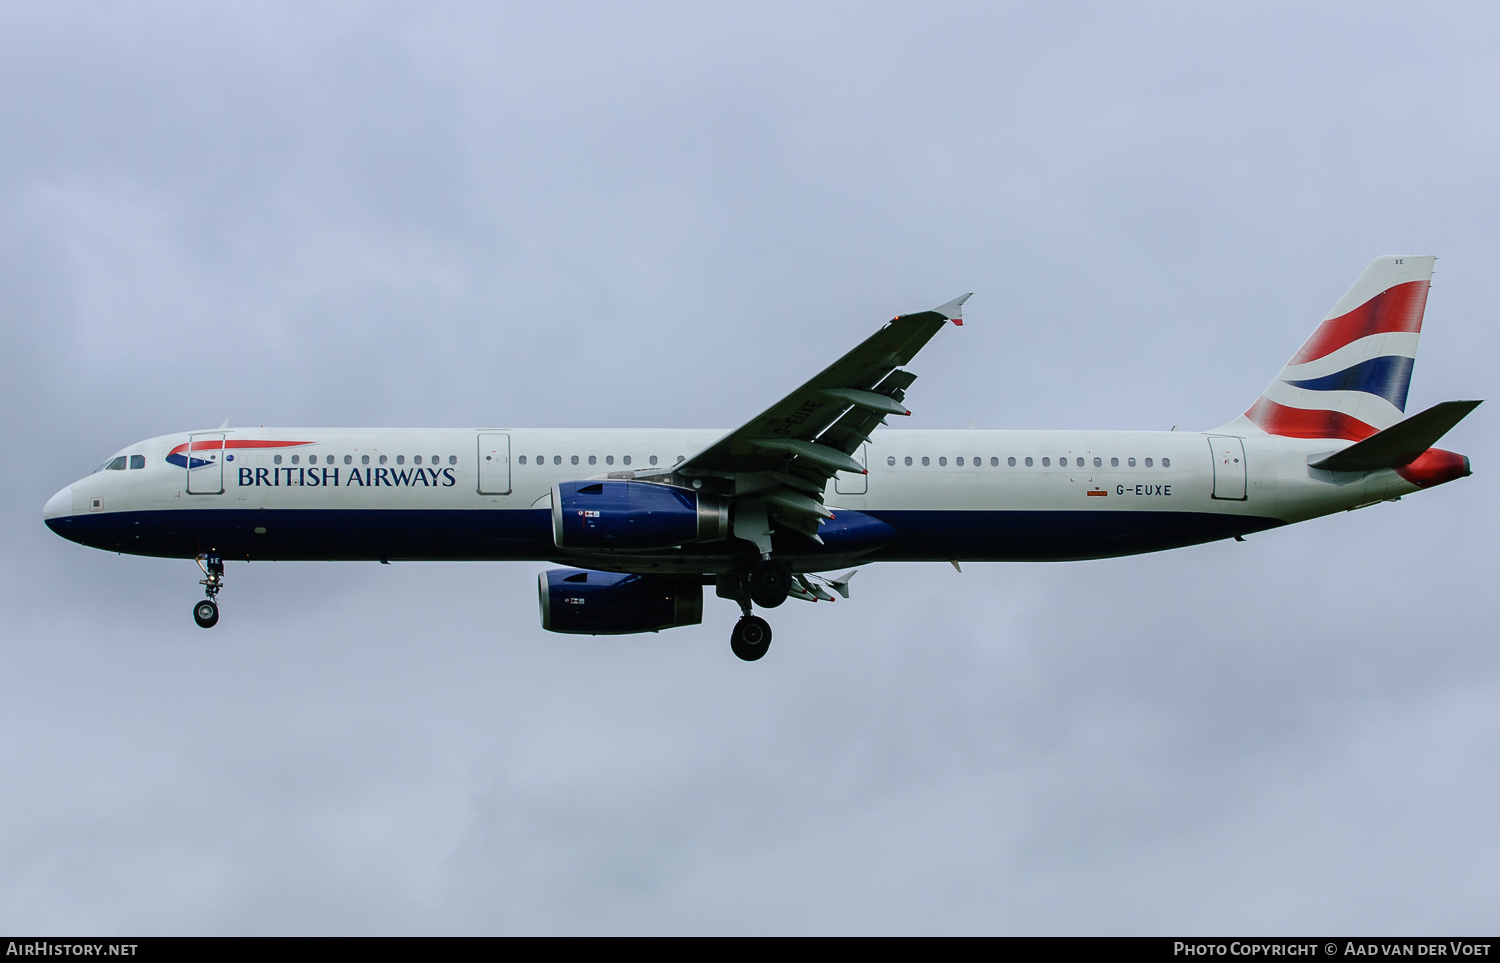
x=784 y=456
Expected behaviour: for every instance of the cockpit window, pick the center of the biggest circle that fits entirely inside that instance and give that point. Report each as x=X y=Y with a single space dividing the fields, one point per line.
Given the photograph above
x=137 y=461
x=116 y=464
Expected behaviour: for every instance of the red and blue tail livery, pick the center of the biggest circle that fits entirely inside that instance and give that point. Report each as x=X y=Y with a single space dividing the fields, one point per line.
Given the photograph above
x=1351 y=377
x=645 y=521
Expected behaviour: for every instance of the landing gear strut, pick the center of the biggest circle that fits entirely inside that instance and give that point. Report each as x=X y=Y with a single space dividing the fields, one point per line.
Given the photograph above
x=767 y=584
x=752 y=636
x=206 y=612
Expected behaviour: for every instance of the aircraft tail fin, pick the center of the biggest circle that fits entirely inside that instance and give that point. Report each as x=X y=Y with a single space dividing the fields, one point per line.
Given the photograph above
x=1349 y=380
x=1402 y=443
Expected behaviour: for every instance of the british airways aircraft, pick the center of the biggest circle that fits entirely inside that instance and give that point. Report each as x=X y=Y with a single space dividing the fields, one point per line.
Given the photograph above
x=814 y=484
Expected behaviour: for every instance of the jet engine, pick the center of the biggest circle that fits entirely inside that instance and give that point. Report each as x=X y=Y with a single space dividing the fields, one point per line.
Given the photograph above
x=633 y=515
x=585 y=602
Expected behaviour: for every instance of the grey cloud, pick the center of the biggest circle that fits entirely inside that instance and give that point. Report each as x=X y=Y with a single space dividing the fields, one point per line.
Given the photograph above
x=373 y=214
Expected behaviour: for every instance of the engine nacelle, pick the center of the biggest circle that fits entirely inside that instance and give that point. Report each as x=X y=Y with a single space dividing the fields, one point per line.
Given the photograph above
x=631 y=515
x=584 y=602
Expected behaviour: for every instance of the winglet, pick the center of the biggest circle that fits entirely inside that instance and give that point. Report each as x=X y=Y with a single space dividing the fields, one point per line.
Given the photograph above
x=954 y=310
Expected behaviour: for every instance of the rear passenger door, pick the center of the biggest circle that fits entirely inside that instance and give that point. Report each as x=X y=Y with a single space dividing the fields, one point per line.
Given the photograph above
x=1229 y=467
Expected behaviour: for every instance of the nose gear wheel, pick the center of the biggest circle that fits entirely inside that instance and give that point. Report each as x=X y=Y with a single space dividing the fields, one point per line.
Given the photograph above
x=206 y=612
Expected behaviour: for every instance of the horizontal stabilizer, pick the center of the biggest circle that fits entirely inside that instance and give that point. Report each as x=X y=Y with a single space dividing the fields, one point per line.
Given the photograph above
x=1402 y=443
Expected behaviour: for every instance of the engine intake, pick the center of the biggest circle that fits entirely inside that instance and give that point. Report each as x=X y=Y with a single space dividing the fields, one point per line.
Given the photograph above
x=630 y=515
x=584 y=602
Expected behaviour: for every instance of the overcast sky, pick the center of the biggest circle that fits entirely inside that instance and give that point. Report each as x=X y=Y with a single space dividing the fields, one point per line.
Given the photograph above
x=581 y=215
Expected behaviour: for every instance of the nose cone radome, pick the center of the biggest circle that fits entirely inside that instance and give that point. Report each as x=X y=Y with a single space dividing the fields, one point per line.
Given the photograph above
x=58 y=507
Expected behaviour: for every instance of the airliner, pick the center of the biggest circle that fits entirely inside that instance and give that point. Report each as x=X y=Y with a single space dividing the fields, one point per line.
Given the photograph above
x=817 y=483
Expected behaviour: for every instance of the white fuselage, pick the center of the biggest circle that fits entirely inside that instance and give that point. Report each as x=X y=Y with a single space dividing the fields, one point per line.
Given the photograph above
x=484 y=493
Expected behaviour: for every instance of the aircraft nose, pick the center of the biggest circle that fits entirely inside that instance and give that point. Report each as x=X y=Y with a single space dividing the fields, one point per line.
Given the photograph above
x=59 y=505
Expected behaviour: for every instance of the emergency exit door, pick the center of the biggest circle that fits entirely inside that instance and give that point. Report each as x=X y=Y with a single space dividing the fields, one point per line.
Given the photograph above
x=846 y=483
x=494 y=463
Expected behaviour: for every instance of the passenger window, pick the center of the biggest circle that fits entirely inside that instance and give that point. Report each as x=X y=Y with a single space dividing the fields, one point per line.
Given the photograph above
x=890 y=460
x=541 y=459
x=416 y=459
x=1046 y=463
x=609 y=459
x=522 y=459
x=959 y=461
x=1011 y=461
x=1166 y=463
x=116 y=464
x=908 y=461
x=400 y=459
x=593 y=460
x=1028 y=461
x=1114 y=463
x=1098 y=462
x=294 y=459
x=625 y=459
x=679 y=460
x=1130 y=462
x=1078 y=462
x=1148 y=463
x=653 y=459
x=926 y=461
x=452 y=459
x=364 y=459
x=557 y=459
x=942 y=461
x=348 y=459
x=382 y=459
x=137 y=461
x=995 y=462
x=276 y=460
x=979 y=461
x=575 y=459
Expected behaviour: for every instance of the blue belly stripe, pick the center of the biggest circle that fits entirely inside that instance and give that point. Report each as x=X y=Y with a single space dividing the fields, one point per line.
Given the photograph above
x=526 y=534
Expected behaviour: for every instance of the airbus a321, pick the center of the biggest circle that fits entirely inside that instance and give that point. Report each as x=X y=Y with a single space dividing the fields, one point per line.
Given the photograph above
x=815 y=484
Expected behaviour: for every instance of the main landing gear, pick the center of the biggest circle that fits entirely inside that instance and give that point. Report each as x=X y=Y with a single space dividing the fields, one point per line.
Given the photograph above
x=770 y=581
x=206 y=612
x=767 y=585
x=751 y=637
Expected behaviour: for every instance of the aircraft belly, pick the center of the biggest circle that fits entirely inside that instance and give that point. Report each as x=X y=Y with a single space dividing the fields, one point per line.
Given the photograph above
x=320 y=534
x=1038 y=536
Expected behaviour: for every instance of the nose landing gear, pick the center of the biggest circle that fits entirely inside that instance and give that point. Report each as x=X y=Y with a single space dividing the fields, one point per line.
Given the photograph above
x=206 y=612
